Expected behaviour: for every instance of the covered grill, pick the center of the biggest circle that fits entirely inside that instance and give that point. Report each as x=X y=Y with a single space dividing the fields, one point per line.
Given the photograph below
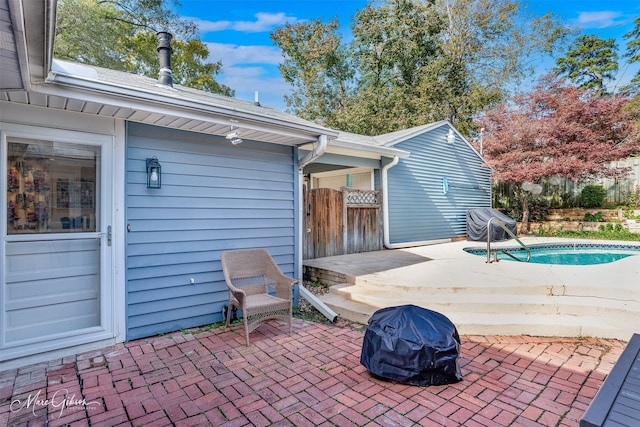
x=412 y=345
x=478 y=219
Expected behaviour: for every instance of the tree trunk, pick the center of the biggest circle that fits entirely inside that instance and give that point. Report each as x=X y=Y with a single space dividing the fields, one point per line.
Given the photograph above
x=524 y=198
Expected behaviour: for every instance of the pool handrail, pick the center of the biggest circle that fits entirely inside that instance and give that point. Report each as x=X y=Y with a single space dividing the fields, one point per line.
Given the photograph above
x=513 y=236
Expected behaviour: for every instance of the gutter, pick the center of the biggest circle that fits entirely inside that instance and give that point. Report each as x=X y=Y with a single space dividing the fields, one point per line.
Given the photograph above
x=318 y=151
x=312 y=156
x=385 y=214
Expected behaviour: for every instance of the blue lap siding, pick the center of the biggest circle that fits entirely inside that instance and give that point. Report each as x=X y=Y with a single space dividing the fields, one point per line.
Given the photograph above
x=419 y=209
x=214 y=197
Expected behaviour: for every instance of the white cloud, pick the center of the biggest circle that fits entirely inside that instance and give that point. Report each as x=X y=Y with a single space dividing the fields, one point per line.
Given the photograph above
x=247 y=80
x=247 y=69
x=601 y=19
x=264 y=22
x=211 y=26
x=232 y=54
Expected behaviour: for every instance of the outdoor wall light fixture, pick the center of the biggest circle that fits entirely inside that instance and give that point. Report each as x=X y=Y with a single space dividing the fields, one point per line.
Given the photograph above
x=234 y=136
x=154 y=173
x=451 y=137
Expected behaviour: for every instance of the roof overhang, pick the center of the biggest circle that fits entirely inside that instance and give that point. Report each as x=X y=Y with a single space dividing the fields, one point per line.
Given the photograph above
x=26 y=42
x=157 y=108
x=360 y=146
x=371 y=150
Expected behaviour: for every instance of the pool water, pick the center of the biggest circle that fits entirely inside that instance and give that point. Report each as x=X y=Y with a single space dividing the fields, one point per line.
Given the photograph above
x=566 y=253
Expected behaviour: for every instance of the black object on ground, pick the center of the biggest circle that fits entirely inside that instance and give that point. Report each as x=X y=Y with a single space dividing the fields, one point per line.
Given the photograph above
x=478 y=219
x=412 y=345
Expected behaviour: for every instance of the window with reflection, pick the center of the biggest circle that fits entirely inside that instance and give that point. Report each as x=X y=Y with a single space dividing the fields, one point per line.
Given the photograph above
x=51 y=187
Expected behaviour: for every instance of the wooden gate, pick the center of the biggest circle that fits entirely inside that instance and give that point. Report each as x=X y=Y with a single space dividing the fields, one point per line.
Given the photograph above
x=339 y=222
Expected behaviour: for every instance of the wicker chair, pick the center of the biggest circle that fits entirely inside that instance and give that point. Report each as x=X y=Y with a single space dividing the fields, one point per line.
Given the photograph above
x=249 y=274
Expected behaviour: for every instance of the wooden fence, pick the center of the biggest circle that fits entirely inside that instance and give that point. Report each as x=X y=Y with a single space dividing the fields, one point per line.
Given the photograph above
x=340 y=222
x=566 y=193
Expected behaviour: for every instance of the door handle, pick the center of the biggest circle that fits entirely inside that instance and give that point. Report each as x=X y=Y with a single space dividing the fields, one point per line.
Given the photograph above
x=109 y=236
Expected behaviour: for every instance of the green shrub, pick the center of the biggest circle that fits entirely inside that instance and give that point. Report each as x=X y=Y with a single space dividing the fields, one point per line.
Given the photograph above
x=593 y=196
x=593 y=216
x=632 y=198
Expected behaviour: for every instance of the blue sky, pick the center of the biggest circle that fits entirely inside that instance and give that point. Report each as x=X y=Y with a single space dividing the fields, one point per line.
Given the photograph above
x=237 y=33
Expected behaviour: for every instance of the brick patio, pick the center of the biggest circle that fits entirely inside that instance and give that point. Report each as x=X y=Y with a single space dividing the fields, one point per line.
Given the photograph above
x=311 y=378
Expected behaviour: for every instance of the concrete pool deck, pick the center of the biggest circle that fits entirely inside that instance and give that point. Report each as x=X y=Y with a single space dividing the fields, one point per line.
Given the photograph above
x=504 y=298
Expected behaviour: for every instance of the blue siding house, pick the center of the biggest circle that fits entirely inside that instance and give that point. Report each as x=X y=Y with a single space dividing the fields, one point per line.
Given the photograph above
x=90 y=253
x=429 y=176
x=214 y=197
x=430 y=192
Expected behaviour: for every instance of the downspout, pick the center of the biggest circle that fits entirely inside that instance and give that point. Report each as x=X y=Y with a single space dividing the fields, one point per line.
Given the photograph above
x=304 y=292
x=385 y=201
x=385 y=214
x=318 y=151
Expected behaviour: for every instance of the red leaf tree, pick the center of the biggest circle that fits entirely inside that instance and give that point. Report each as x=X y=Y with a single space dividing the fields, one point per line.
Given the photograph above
x=557 y=130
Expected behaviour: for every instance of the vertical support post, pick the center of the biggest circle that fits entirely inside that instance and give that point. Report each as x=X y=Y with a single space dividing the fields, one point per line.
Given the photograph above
x=345 y=227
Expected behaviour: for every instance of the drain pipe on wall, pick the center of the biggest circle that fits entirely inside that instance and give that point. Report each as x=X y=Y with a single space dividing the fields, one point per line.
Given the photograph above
x=385 y=214
x=385 y=202
x=304 y=292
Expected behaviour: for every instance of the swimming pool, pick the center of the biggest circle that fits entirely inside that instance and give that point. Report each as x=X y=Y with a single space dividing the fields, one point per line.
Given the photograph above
x=565 y=253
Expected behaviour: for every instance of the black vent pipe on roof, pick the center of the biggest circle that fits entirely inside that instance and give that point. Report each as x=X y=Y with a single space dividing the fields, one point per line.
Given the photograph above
x=165 y=77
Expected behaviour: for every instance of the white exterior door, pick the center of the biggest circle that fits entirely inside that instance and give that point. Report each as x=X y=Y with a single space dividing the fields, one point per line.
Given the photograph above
x=55 y=251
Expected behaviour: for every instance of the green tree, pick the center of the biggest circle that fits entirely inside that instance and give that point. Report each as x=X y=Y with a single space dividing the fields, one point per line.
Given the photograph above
x=590 y=62
x=394 y=47
x=121 y=35
x=317 y=67
x=411 y=62
x=557 y=130
x=632 y=53
x=486 y=48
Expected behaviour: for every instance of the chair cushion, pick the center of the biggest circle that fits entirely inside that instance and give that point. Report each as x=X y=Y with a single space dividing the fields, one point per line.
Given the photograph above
x=261 y=303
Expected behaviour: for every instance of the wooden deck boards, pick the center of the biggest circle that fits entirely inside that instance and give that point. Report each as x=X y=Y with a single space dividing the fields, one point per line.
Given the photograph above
x=617 y=403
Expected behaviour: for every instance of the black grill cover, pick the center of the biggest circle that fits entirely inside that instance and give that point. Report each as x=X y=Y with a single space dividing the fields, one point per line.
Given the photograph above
x=412 y=345
x=477 y=220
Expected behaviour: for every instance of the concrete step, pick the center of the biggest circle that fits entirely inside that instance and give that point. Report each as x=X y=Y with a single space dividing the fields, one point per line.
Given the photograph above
x=499 y=287
x=375 y=284
x=352 y=310
x=539 y=325
x=576 y=305
x=498 y=314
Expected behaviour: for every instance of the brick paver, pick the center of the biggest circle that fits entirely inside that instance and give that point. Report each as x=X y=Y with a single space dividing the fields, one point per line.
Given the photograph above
x=310 y=378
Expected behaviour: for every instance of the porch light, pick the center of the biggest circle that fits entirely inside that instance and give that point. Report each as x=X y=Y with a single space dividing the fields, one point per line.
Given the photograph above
x=234 y=136
x=154 y=173
x=451 y=137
